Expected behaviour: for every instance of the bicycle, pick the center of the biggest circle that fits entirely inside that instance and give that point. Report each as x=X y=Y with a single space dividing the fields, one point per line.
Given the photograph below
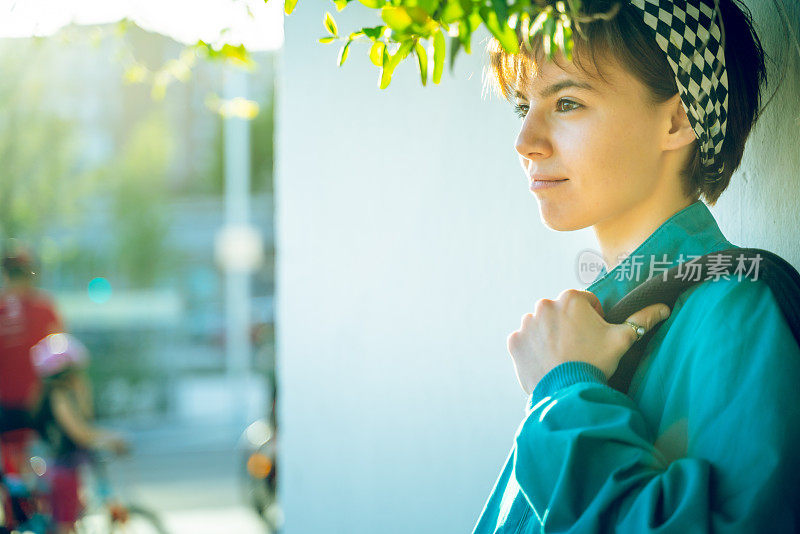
x=23 y=500
x=104 y=512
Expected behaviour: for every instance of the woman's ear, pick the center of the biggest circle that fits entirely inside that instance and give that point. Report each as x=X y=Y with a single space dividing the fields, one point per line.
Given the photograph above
x=679 y=129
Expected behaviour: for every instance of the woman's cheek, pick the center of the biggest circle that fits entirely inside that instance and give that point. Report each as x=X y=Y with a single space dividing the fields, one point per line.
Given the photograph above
x=597 y=155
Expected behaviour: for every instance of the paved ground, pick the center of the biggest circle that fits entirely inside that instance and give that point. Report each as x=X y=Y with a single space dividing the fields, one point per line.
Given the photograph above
x=190 y=475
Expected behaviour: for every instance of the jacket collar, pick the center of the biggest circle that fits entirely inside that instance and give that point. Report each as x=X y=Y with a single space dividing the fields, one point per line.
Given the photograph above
x=692 y=231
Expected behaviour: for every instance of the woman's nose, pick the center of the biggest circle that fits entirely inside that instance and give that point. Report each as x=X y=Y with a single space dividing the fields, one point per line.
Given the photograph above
x=532 y=141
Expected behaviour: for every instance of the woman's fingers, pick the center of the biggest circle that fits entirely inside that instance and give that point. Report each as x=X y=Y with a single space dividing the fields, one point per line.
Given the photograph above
x=588 y=295
x=647 y=318
x=595 y=302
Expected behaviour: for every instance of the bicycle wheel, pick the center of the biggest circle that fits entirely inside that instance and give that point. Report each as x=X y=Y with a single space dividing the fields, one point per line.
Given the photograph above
x=140 y=521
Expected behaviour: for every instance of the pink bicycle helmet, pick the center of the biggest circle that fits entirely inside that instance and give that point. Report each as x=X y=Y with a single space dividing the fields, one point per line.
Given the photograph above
x=56 y=353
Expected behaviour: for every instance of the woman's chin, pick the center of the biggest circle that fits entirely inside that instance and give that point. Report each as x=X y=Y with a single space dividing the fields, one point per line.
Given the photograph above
x=553 y=217
x=559 y=220
x=558 y=226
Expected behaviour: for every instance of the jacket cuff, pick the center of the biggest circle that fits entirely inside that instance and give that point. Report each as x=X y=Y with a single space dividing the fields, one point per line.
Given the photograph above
x=563 y=375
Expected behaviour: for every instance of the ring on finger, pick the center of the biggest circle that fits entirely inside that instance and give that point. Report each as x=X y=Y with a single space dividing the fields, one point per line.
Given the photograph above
x=638 y=329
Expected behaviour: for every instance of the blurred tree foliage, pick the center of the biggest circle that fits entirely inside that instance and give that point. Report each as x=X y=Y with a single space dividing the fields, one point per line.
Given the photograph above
x=40 y=178
x=63 y=159
x=144 y=65
x=137 y=179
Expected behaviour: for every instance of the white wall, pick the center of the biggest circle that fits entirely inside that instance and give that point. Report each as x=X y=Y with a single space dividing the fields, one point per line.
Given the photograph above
x=408 y=248
x=761 y=207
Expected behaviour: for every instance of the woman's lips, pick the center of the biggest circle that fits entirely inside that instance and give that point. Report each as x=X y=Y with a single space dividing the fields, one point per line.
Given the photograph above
x=536 y=185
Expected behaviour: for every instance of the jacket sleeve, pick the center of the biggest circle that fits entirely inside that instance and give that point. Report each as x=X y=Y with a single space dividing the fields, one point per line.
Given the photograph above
x=586 y=460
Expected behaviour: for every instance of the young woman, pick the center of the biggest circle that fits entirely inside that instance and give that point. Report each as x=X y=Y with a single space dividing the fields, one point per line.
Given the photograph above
x=650 y=117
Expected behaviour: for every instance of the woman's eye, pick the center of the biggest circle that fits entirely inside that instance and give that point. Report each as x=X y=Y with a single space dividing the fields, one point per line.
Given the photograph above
x=522 y=109
x=569 y=103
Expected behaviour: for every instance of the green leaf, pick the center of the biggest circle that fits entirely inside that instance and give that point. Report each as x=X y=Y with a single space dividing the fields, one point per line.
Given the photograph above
x=422 y=61
x=428 y=5
x=288 y=6
x=374 y=33
x=343 y=53
x=397 y=18
x=373 y=3
x=417 y=14
x=404 y=50
x=455 y=47
x=538 y=22
x=452 y=12
x=568 y=42
x=386 y=70
x=500 y=8
x=376 y=53
x=558 y=37
x=466 y=28
x=563 y=37
x=547 y=37
x=500 y=29
x=524 y=30
x=340 y=4
x=390 y=62
x=330 y=24
x=233 y=54
x=438 y=56
x=474 y=20
x=326 y=40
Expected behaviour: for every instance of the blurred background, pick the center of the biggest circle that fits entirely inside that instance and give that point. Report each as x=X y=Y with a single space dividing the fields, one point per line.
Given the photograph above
x=261 y=247
x=137 y=166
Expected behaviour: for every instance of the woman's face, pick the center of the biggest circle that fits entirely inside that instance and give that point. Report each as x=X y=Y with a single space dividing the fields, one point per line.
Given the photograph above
x=605 y=139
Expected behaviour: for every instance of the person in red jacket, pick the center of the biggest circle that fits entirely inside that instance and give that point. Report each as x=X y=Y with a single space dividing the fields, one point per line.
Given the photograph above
x=26 y=316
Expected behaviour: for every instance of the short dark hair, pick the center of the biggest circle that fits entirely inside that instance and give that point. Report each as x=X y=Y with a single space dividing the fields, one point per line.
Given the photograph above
x=17 y=264
x=627 y=38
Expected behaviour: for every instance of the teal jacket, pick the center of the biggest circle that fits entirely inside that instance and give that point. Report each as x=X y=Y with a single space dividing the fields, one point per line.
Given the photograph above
x=707 y=438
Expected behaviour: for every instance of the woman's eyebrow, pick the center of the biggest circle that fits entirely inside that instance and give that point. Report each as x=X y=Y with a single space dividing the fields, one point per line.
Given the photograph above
x=556 y=87
x=552 y=89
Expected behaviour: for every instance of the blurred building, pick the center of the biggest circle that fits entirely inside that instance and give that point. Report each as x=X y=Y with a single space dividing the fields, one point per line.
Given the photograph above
x=131 y=259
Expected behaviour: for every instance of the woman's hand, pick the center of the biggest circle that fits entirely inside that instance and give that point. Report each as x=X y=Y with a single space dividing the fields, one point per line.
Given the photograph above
x=113 y=442
x=572 y=328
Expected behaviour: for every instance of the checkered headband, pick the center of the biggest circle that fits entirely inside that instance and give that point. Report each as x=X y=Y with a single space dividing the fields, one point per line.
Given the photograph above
x=689 y=34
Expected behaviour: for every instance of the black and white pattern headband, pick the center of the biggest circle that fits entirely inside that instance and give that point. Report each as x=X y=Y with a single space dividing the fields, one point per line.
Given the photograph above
x=689 y=33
